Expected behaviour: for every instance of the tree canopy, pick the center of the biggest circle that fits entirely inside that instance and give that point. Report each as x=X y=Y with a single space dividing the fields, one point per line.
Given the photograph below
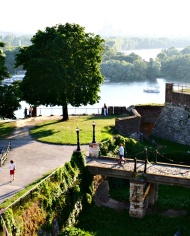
x=10 y=97
x=62 y=67
x=3 y=70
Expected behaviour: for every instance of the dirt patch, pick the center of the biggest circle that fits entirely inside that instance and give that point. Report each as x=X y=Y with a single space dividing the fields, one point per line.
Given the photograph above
x=35 y=120
x=117 y=205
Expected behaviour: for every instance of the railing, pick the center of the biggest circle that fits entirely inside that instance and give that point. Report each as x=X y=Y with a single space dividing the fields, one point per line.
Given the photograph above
x=157 y=155
x=183 y=88
x=51 y=111
x=4 y=153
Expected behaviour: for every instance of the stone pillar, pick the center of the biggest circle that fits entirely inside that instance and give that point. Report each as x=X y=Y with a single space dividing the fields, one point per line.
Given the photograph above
x=169 y=93
x=94 y=150
x=138 y=204
x=153 y=194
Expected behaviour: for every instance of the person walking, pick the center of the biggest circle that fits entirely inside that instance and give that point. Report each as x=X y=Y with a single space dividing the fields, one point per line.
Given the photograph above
x=121 y=154
x=12 y=168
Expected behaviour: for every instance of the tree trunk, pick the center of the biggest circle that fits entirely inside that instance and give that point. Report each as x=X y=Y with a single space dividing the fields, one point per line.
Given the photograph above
x=65 y=113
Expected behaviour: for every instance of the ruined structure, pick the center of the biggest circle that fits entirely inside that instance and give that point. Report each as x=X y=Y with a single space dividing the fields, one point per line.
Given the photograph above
x=174 y=121
x=171 y=121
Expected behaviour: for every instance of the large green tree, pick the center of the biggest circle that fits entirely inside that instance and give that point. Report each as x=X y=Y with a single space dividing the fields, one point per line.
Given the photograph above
x=63 y=67
x=3 y=70
x=10 y=97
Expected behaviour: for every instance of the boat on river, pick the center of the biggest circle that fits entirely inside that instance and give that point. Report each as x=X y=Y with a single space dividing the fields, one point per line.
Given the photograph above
x=151 y=90
x=106 y=80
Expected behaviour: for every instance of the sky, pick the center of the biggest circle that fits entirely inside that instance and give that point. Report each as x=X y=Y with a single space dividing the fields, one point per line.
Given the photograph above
x=147 y=18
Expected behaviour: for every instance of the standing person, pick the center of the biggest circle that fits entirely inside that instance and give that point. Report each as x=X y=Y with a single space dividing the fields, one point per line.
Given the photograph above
x=105 y=109
x=121 y=154
x=12 y=168
x=25 y=112
x=30 y=111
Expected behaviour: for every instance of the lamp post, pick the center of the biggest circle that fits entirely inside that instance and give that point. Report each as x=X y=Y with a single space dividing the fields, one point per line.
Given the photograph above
x=78 y=143
x=93 y=137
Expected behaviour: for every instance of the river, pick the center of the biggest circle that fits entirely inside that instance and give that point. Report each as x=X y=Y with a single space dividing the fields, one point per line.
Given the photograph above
x=113 y=94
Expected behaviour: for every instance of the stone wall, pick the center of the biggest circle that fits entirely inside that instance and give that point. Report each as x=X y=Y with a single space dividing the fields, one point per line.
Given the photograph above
x=101 y=188
x=129 y=126
x=149 y=113
x=175 y=97
x=174 y=124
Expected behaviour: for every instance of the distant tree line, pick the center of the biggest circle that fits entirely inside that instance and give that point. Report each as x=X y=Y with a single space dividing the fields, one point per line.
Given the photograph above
x=116 y=43
x=170 y=63
x=118 y=66
x=123 y=44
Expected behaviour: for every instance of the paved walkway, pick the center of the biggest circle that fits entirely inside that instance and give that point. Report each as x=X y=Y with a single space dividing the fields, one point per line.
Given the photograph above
x=33 y=159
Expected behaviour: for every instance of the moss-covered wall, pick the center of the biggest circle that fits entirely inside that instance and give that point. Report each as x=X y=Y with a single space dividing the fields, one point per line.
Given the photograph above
x=55 y=204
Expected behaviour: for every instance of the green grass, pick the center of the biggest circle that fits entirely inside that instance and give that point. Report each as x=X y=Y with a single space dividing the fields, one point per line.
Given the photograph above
x=65 y=132
x=105 y=221
x=6 y=128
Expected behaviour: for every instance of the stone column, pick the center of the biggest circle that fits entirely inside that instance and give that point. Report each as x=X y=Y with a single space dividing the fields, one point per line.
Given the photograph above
x=94 y=150
x=138 y=204
x=169 y=93
x=153 y=194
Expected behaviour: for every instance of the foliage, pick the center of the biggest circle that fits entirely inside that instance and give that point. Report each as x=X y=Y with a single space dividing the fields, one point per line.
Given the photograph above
x=119 y=188
x=12 y=40
x=71 y=231
x=10 y=59
x=126 y=67
x=130 y=43
x=52 y=200
x=107 y=221
x=10 y=97
x=173 y=197
x=132 y=147
x=64 y=70
x=6 y=129
x=3 y=70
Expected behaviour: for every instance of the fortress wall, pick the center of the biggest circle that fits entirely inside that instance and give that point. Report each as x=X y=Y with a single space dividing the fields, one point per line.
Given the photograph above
x=176 y=98
x=129 y=126
x=149 y=113
x=174 y=124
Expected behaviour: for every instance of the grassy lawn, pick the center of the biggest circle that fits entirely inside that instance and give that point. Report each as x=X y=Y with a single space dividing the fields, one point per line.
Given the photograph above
x=65 y=132
x=108 y=222
x=6 y=128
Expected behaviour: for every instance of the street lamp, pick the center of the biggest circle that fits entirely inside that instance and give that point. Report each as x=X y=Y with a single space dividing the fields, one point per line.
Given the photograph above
x=78 y=143
x=93 y=139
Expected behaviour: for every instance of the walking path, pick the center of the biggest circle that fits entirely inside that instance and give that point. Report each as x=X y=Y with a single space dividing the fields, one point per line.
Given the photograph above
x=33 y=159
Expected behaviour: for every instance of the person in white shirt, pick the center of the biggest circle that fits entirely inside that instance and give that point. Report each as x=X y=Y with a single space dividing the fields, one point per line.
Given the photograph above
x=12 y=168
x=121 y=154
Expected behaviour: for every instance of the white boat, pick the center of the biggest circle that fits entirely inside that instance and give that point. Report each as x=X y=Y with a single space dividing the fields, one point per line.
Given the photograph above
x=151 y=90
x=106 y=80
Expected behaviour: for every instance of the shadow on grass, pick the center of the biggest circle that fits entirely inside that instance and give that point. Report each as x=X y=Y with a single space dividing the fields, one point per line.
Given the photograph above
x=101 y=117
x=44 y=133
